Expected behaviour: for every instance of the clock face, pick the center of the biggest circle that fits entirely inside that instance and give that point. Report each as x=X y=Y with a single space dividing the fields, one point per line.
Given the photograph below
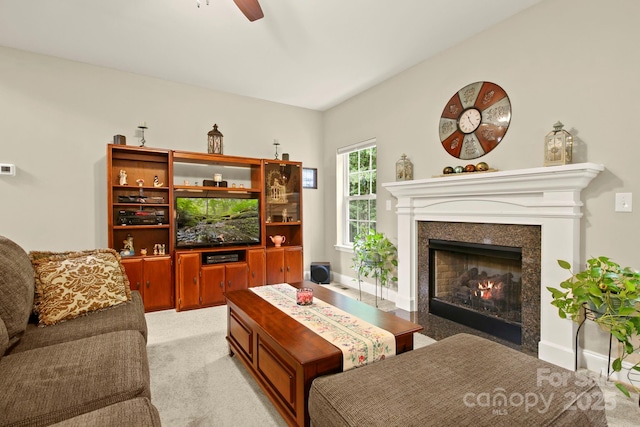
x=475 y=120
x=469 y=120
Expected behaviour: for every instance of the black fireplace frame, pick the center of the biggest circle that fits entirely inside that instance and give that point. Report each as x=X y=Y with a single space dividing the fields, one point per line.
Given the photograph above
x=500 y=328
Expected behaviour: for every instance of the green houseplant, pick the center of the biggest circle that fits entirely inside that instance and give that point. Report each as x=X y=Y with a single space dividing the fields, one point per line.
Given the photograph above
x=610 y=295
x=374 y=255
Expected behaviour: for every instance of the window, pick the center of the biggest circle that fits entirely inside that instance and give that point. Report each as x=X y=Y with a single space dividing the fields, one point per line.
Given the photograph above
x=358 y=180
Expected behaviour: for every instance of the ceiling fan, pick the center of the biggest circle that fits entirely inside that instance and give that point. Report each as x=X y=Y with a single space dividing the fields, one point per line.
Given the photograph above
x=250 y=8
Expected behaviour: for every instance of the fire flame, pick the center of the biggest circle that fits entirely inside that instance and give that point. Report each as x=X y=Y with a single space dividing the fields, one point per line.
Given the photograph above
x=485 y=290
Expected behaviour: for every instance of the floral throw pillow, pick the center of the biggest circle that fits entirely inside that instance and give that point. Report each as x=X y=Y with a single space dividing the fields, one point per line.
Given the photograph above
x=72 y=284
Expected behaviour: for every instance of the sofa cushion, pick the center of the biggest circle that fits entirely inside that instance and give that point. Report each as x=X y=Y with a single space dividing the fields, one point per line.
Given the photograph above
x=122 y=317
x=72 y=284
x=54 y=383
x=39 y=255
x=135 y=412
x=461 y=380
x=16 y=288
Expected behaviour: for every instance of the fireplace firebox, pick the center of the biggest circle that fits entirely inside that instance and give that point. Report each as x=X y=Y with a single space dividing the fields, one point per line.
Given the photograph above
x=477 y=285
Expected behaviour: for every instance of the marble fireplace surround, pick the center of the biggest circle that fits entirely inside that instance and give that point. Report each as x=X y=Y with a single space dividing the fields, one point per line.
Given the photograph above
x=548 y=197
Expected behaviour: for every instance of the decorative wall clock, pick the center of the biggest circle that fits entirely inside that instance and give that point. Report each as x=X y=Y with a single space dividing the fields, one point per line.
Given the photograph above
x=475 y=120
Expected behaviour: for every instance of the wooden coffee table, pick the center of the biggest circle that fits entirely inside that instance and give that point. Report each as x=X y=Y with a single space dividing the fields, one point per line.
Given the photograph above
x=284 y=356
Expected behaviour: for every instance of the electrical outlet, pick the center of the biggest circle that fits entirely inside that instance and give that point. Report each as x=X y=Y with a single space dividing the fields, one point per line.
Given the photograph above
x=388 y=205
x=624 y=202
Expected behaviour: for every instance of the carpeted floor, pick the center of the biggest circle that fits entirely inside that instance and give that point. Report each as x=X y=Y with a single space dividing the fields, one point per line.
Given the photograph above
x=195 y=383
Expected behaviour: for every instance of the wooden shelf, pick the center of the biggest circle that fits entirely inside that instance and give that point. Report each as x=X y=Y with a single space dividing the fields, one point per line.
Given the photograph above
x=137 y=187
x=214 y=159
x=140 y=227
x=202 y=189
x=144 y=205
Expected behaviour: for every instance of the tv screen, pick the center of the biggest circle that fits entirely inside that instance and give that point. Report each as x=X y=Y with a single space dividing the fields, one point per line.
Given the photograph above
x=217 y=221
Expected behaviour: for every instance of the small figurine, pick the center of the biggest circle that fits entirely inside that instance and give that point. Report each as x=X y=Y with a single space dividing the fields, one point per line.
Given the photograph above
x=162 y=249
x=155 y=249
x=143 y=251
x=156 y=182
x=128 y=246
x=123 y=177
x=140 y=182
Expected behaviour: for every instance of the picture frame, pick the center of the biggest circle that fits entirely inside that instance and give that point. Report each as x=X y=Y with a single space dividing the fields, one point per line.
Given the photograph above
x=309 y=178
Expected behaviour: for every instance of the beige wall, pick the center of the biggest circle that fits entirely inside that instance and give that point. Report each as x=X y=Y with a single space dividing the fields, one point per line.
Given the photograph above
x=57 y=116
x=568 y=60
x=575 y=61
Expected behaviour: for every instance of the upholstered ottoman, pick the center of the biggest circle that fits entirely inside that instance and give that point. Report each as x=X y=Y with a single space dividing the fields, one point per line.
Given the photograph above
x=461 y=380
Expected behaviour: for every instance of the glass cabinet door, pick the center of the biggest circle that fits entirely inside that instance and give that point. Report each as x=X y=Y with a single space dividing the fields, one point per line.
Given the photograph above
x=283 y=200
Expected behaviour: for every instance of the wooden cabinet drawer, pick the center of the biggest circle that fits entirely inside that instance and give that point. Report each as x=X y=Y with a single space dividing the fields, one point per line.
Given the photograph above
x=241 y=335
x=280 y=375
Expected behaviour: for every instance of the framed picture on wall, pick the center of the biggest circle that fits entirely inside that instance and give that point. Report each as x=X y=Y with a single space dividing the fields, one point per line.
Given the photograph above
x=309 y=178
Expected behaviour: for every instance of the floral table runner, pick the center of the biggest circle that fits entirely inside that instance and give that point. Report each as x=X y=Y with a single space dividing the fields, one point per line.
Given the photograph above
x=360 y=342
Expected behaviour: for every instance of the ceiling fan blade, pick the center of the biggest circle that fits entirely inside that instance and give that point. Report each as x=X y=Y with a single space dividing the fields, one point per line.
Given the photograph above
x=250 y=8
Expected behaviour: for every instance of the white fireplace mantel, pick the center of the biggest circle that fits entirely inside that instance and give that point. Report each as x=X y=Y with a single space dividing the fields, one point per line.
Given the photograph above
x=545 y=196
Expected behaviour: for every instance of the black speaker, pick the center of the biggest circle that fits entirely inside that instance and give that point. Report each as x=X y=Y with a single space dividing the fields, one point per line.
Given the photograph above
x=321 y=272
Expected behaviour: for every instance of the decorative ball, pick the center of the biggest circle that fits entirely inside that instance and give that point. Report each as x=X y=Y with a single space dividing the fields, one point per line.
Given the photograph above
x=482 y=166
x=458 y=169
x=447 y=170
x=469 y=168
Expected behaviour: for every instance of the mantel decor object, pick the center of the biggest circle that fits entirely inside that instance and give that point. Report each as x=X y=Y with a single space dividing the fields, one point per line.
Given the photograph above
x=558 y=146
x=404 y=169
x=143 y=126
x=276 y=143
x=475 y=120
x=214 y=141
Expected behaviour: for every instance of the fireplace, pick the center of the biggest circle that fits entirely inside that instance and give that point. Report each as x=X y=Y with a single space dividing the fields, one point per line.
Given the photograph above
x=477 y=285
x=499 y=251
x=546 y=199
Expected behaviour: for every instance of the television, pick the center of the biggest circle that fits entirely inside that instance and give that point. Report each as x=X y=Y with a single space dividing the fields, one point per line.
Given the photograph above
x=217 y=221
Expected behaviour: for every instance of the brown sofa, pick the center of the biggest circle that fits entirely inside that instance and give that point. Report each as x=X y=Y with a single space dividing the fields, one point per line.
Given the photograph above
x=461 y=380
x=91 y=370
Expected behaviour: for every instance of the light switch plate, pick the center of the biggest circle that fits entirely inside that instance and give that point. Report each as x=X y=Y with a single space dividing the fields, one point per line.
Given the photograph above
x=7 y=169
x=624 y=202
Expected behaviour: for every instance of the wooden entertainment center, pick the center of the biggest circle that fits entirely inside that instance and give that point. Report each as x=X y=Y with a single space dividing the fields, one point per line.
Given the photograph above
x=143 y=186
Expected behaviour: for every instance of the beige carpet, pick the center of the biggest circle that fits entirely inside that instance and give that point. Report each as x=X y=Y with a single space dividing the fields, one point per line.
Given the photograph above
x=195 y=383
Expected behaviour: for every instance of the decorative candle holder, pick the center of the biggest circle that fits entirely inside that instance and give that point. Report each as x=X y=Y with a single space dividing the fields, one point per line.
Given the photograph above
x=304 y=296
x=142 y=127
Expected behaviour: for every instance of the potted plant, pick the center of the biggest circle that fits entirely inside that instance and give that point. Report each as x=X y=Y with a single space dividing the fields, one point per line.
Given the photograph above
x=610 y=295
x=375 y=256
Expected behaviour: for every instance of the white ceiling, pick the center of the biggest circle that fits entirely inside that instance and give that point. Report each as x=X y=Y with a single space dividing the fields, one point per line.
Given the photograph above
x=307 y=53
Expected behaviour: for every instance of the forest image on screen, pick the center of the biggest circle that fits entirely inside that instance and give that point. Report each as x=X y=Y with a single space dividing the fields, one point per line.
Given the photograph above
x=217 y=221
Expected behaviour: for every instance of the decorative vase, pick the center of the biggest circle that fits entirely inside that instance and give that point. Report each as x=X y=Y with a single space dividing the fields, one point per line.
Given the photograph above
x=278 y=240
x=304 y=296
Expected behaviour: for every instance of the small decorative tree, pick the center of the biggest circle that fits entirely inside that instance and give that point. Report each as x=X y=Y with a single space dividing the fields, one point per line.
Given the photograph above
x=375 y=256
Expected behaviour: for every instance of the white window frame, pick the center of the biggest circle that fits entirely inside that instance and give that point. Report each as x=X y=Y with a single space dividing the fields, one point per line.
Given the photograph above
x=342 y=193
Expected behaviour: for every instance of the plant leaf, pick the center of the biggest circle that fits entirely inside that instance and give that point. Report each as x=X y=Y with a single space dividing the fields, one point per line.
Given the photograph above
x=623 y=389
x=626 y=311
x=564 y=264
x=557 y=293
x=617 y=365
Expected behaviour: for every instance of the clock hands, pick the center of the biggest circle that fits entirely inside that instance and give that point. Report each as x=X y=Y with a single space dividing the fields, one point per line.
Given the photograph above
x=470 y=122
